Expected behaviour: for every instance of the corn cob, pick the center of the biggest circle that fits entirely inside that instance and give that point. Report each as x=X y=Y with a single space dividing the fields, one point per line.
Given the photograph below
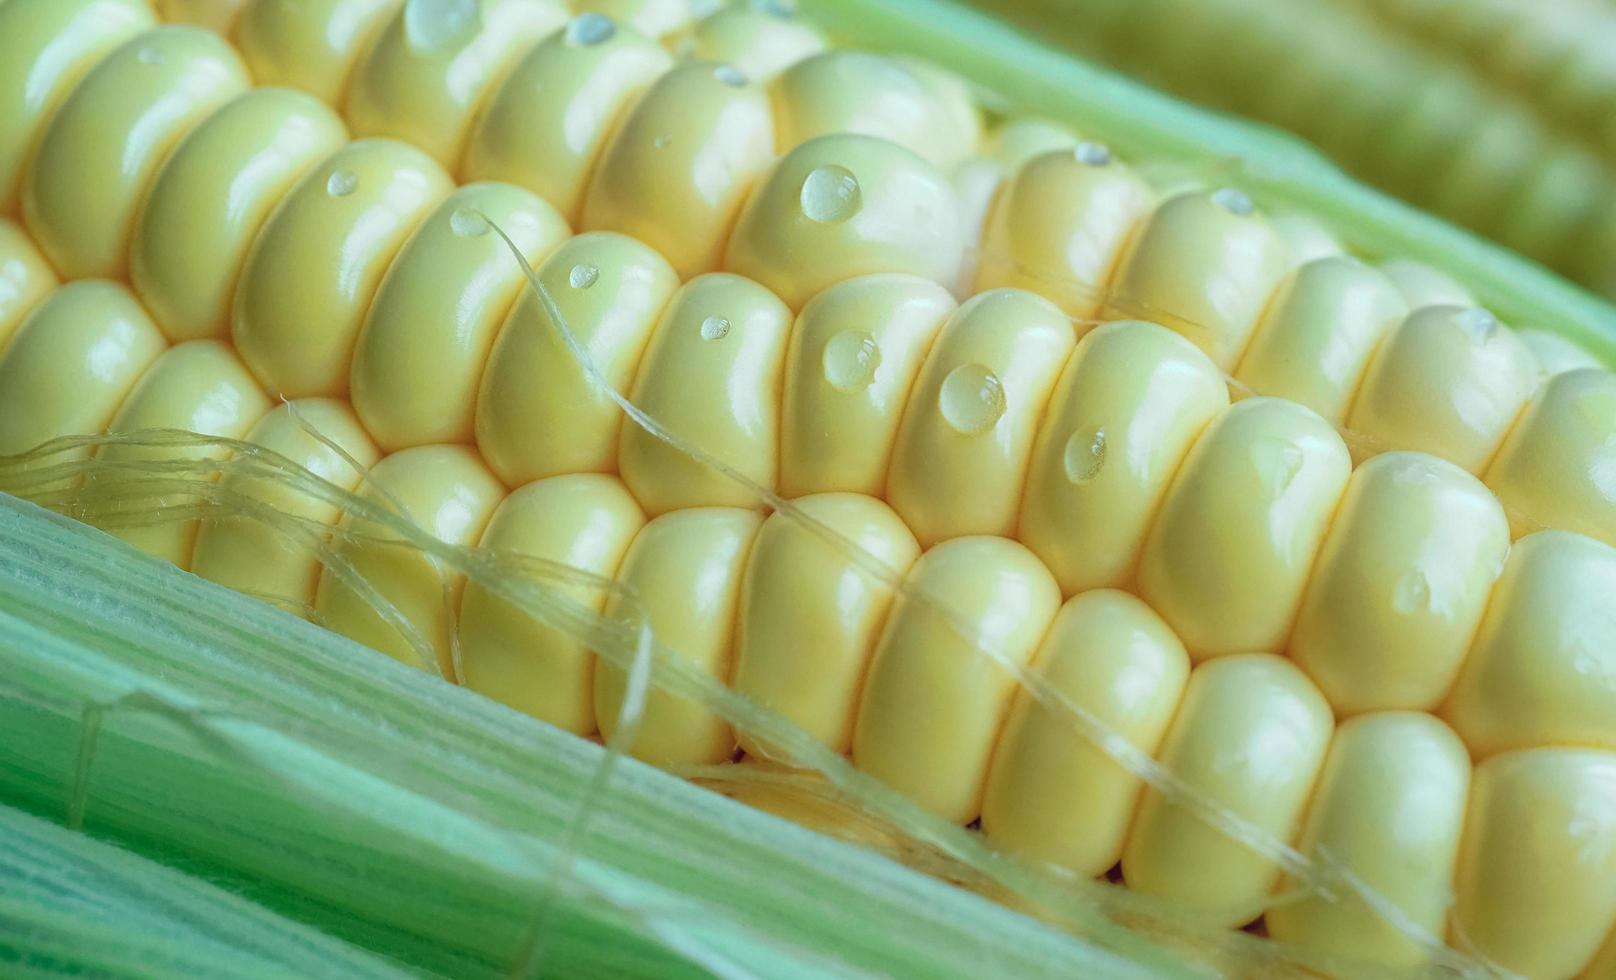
x=984 y=426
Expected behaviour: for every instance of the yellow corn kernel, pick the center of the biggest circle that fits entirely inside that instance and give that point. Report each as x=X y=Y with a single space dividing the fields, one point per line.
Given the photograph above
x=445 y=491
x=1132 y=400
x=1536 y=885
x=539 y=413
x=1250 y=737
x=1424 y=285
x=955 y=98
x=546 y=124
x=421 y=351
x=312 y=271
x=1604 y=962
x=649 y=18
x=46 y=49
x=1016 y=141
x=1556 y=354
x=25 y=279
x=1400 y=585
x=712 y=377
x=1204 y=265
x=1542 y=670
x=1557 y=467
x=583 y=521
x=966 y=439
x=1231 y=549
x=247 y=554
x=215 y=15
x=857 y=92
x=424 y=90
x=101 y=150
x=71 y=363
x=761 y=38
x=1052 y=794
x=854 y=354
x=684 y=572
x=1389 y=809
x=935 y=697
x=811 y=614
x=198 y=386
x=977 y=181
x=1308 y=238
x=1060 y=225
x=676 y=172
x=211 y=197
x=1449 y=381
x=310 y=45
x=1314 y=342
x=842 y=206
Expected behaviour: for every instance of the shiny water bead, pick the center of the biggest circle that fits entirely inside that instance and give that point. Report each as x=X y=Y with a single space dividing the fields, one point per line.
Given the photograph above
x=1308 y=238
x=966 y=438
x=1556 y=354
x=648 y=18
x=46 y=48
x=935 y=698
x=1389 y=809
x=582 y=521
x=811 y=613
x=1132 y=400
x=101 y=150
x=445 y=491
x=310 y=45
x=760 y=39
x=1314 y=341
x=844 y=91
x=1557 y=467
x=1249 y=737
x=683 y=571
x=25 y=278
x=71 y=363
x=1536 y=885
x=843 y=206
x=547 y=122
x=540 y=412
x=211 y=197
x=715 y=387
x=1449 y=381
x=1426 y=285
x=246 y=552
x=426 y=93
x=678 y=168
x=1400 y=584
x=1205 y=265
x=314 y=268
x=425 y=340
x=215 y=15
x=198 y=386
x=1016 y=141
x=853 y=357
x=1232 y=546
x=1542 y=669
x=1053 y=794
x=1059 y=227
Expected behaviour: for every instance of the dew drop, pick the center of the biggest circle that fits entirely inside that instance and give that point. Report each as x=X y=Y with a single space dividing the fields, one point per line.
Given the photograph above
x=971 y=399
x=440 y=26
x=1412 y=594
x=589 y=29
x=341 y=183
x=851 y=359
x=1092 y=153
x=1233 y=201
x=830 y=194
x=714 y=328
x=1478 y=323
x=661 y=142
x=1277 y=463
x=150 y=56
x=1085 y=454
x=468 y=222
x=583 y=276
x=729 y=75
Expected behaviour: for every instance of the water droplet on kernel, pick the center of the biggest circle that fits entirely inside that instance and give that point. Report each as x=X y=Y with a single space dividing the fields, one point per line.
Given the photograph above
x=971 y=399
x=661 y=142
x=1233 y=201
x=589 y=29
x=714 y=328
x=1092 y=153
x=850 y=361
x=439 y=26
x=583 y=276
x=1277 y=463
x=1480 y=324
x=830 y=194
x=729 y=75
x=341 y=183
x=1412 y=594
x=150 y=56
x=1085 y=454
x=468 y=222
